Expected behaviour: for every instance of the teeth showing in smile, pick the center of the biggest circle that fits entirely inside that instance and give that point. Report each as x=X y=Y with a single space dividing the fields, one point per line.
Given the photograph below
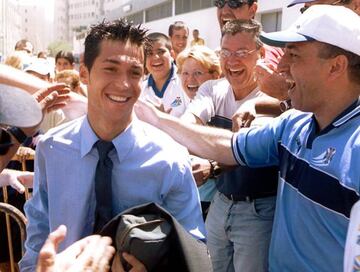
x=156 y=64
x=235 y=72
x=225 y=20
x=193 y=87
x=118 y=98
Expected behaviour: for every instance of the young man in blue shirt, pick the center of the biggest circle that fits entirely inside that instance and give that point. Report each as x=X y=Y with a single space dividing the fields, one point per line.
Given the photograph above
x=317 y=148
x=141 y=157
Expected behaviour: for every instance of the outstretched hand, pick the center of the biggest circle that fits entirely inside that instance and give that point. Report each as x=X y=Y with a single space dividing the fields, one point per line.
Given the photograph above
x=241 y=119
x=91 y=253
x=50 y=98
x=53 y=97
x=147 y=112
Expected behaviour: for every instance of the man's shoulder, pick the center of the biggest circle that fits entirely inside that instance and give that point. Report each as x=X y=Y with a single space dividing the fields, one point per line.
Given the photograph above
x=68 y=131
x=214 y=87
x=158 y=141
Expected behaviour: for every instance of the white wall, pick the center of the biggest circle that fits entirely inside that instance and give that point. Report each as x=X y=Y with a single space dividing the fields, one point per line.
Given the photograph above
x=206 y=20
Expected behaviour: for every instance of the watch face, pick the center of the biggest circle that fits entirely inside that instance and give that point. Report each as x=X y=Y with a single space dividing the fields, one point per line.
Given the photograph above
x=217 y=171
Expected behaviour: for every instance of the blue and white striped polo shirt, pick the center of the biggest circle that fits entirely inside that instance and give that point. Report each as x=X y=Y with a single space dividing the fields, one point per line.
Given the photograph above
x=319 y=183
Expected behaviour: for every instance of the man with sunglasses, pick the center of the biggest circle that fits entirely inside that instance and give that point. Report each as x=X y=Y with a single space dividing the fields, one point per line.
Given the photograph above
x=351 y=4
x=240 y=218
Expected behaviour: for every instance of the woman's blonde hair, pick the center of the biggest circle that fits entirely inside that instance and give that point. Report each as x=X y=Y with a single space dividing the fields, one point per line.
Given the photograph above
x=15 y=60
x=207 y=58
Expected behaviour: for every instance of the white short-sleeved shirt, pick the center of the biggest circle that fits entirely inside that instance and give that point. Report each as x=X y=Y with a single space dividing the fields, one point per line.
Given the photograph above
x=173 y=97
x=216 y=98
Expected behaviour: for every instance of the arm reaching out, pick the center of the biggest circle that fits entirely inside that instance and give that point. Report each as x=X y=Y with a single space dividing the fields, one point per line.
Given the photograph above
x=205 y=142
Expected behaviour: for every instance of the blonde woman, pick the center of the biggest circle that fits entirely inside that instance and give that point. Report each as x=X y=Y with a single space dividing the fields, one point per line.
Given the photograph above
x=195 y=66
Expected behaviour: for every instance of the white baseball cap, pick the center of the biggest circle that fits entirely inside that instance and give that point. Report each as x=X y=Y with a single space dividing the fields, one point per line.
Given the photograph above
x=18 y=108
x=334 y=25
x=295 y=2
x=40 y=66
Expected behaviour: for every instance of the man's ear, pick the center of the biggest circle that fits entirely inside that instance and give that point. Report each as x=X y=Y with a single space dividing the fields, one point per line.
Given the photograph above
x=355 y=6
x=339 y=67
x=252 y=10
x=84 y=74
x=262 y=52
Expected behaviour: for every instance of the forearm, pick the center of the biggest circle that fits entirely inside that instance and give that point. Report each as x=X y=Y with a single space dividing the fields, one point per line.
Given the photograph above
x=20 y=79
x=268 y=106
x=206 y=142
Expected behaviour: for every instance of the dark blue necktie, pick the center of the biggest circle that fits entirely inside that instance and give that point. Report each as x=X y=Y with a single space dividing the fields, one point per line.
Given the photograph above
x=103 y=192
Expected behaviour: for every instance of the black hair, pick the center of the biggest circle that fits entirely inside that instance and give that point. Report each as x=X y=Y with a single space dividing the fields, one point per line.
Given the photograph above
x=118 y=30
x=176 y=26
x=65 y=55
x=237 y=26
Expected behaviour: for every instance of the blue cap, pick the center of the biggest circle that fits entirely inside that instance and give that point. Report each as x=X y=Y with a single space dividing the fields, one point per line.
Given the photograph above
x=295 y=2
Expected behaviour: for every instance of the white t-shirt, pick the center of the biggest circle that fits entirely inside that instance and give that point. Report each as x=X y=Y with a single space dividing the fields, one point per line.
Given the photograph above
x=216 y=98
x=174 y=97
x=352 y=245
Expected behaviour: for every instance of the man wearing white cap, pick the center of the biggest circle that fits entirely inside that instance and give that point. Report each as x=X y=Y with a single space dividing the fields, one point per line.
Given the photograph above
x=317 y=148
x=351 y=4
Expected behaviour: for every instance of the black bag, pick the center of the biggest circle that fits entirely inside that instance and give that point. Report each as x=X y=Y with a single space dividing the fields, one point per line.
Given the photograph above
x=145 y=236
x=156 y=239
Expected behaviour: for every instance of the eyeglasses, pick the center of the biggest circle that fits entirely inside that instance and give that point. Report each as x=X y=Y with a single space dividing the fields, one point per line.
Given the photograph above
x=234 y=4
x=239 y=54
x=337 y=2
x=195 y=74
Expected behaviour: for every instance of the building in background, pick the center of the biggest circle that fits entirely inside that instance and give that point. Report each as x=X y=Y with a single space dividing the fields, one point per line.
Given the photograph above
x=36 y=23
x=61 y=20
x=157 y=15
x=83 y=13
x=10 y=26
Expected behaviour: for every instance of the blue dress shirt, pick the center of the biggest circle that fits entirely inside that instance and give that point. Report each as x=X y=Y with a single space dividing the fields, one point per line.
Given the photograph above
x=149 y=166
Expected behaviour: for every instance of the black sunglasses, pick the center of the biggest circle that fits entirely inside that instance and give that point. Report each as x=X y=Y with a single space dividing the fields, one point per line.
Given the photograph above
x=234 y=4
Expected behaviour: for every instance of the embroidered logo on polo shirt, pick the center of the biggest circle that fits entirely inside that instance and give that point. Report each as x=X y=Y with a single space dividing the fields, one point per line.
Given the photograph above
x=177 y=102
x=326 y=157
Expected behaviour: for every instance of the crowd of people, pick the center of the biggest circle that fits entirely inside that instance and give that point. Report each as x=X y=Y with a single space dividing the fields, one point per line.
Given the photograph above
x=253 y=147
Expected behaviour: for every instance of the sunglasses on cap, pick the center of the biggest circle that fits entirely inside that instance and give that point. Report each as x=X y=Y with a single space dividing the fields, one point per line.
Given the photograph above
x=336 y=2
x=234 y=4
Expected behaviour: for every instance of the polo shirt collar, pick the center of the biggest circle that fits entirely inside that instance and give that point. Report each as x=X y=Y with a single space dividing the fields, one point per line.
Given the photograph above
x=151 y=82
x=349 y=113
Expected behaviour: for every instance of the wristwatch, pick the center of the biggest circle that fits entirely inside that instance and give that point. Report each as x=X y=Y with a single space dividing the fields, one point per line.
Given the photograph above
x=285 y=105
x=18 y=134
x=215 y=169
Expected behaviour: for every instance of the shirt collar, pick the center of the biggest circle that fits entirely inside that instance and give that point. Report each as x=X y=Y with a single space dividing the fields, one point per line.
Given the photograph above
x=87 y=138
x=349 y=113
x=151 y=82
x=352 y=111
x=123 y=143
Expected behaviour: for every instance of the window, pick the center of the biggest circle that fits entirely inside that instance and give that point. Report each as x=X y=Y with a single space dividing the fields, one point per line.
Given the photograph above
x=271 y=21
x=158 y=12
x=136 y=18
x=184 y=6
